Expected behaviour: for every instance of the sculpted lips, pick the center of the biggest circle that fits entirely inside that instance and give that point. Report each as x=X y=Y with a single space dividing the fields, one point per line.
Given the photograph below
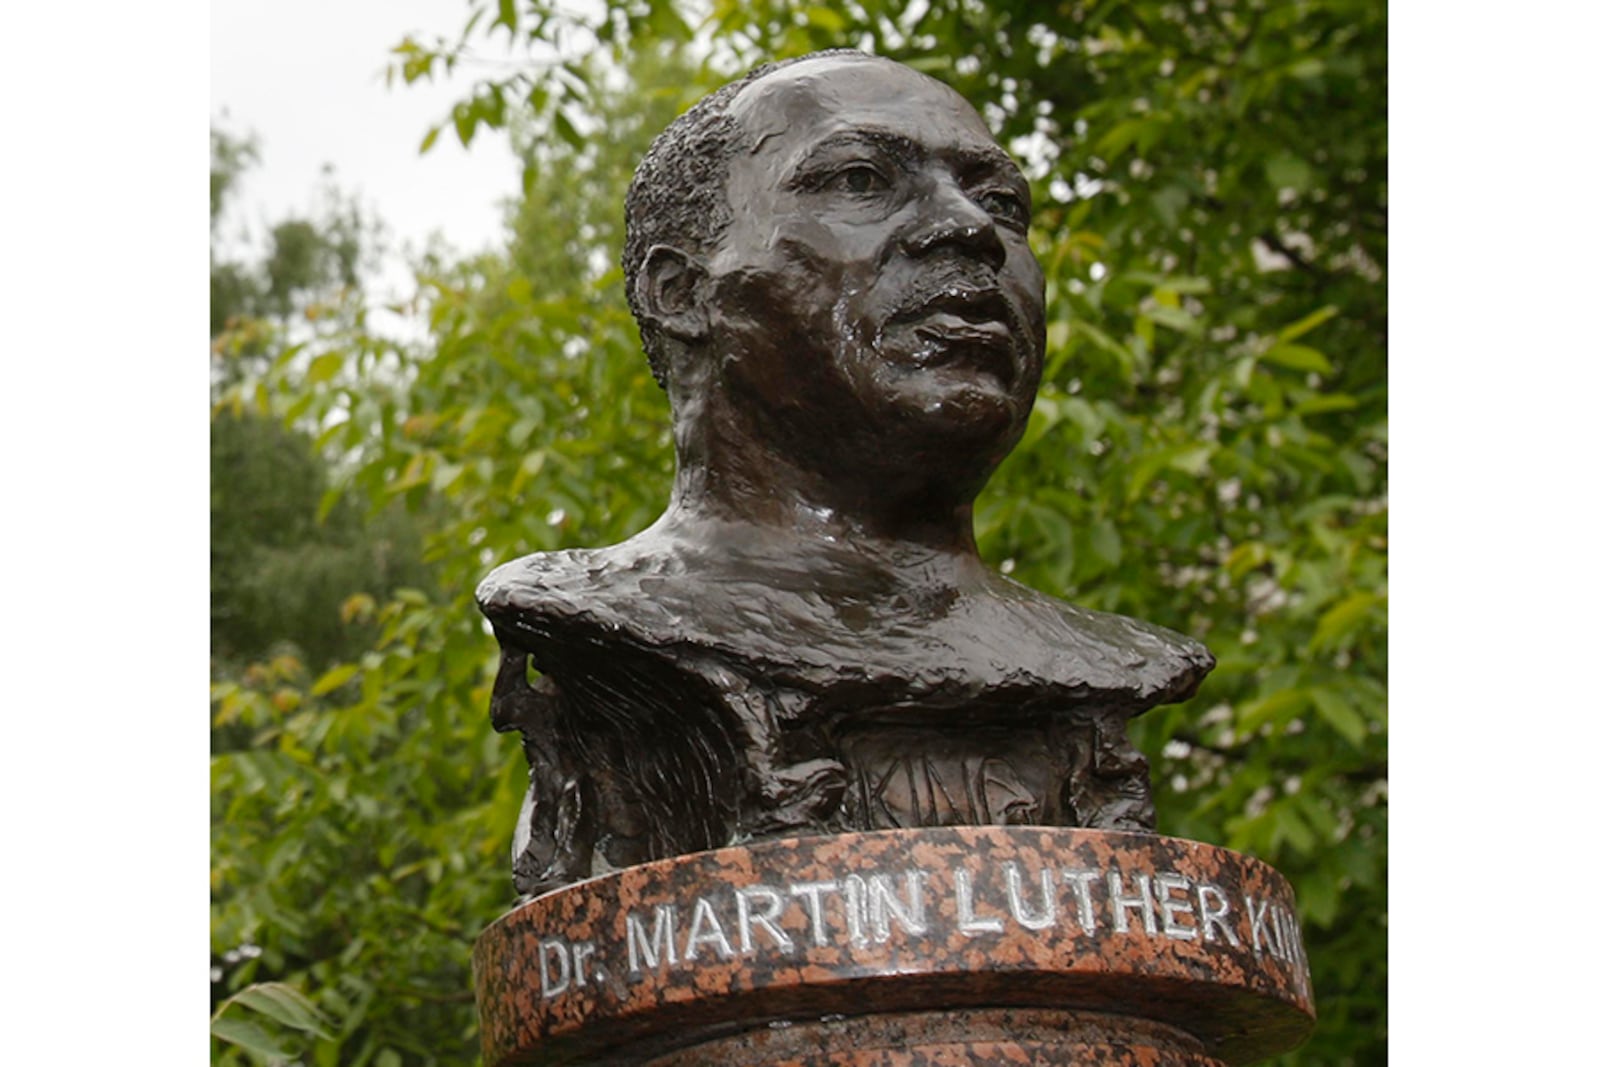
x=960 y=322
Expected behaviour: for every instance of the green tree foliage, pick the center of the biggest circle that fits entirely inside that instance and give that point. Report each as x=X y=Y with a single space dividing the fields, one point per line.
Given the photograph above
x=281 y=574
x=306 y=271
x=1208 y=451
x=362 y=827
x=285 y=556
x=294 y=570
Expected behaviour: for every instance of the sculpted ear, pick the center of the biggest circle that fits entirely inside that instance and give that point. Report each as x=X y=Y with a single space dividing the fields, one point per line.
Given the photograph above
x=670 y=291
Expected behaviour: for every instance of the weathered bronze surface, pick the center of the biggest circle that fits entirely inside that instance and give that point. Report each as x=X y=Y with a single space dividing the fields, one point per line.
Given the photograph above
x=829 y=264
x=955 y=945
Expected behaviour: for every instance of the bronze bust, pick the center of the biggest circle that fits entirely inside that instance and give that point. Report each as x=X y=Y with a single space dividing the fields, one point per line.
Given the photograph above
x=829 y=264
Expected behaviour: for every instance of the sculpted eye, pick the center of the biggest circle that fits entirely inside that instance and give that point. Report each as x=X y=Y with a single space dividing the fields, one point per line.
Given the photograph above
x=858 y=178
x=1004 y=205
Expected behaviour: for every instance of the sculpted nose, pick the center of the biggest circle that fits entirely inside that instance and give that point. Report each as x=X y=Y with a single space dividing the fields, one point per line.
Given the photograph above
x=947 y=218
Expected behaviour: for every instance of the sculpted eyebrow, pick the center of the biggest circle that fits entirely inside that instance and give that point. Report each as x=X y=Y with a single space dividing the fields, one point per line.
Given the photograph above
x=994 y=159
x=901 y=147
x=881 y=140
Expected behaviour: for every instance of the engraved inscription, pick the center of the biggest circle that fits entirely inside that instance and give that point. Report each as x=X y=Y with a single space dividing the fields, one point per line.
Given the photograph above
x=900 y=907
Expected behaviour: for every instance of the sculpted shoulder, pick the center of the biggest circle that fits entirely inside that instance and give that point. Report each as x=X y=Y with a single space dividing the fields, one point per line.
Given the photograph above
x=928 y=634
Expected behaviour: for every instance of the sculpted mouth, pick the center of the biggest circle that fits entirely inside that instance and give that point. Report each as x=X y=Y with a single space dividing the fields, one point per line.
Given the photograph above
x=978 y=305
x=964 y=325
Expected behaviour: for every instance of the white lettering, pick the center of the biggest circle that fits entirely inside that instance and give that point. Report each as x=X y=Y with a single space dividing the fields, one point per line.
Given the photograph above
x=1167 y=903
x=1166 y=882
x=811 y=893
x=663 y=937
x=1298 y=945
x=1080 y=887
x=1120 y=903
x=1210 y=918
x=549 y=987
x=882 y=903
x=766 y=918
x=1258 y=925
x=706 y=929
x=855 y=909
x=1032 y=921
x=1287 y=930
x=581 y=952
x=966 y=921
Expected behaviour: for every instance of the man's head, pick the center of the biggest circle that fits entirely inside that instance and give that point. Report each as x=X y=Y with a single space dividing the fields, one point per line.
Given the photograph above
x=838 y=240
x=679 y=197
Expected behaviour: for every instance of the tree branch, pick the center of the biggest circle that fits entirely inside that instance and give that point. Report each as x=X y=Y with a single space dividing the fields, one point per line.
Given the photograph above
x=1274 y=242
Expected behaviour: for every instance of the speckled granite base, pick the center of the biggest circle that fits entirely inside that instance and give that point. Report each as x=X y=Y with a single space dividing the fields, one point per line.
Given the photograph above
x=1034 y=1037
x=962 y=945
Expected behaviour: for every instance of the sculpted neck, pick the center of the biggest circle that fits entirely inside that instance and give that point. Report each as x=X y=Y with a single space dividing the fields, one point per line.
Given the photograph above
x=818 y=513
x=729 y=475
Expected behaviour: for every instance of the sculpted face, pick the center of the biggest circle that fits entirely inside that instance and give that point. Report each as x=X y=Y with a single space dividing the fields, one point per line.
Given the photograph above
x=874 y=297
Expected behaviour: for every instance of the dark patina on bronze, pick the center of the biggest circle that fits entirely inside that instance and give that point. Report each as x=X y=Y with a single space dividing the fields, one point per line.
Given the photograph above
x=829 y=264
x=809 y=783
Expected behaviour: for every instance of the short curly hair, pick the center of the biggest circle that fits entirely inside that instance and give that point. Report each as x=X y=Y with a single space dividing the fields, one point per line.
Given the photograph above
x=678 y=195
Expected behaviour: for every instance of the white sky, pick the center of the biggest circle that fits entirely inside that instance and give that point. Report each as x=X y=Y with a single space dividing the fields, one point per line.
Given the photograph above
x=306 y=76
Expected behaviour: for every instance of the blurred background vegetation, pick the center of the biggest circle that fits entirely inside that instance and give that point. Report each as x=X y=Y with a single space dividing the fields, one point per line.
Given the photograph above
x=1208 y=451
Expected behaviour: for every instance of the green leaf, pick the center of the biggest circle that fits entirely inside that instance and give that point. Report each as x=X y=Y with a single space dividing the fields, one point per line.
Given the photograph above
x=1288 y=826
x=1118 y=138
x=1323 y=404
x=445 y=476
x=1245 y=558
x=1307 y=324
x=465 y=119
x=1105 y=341
x=1298 y=357
x=1091 y=424
x=1242 y=371
x=1306 y=69
x=1276 y=707
x=1318 y=900
x=334 y=679
x=1343 y=618
x=529 y=467
x=1173 y=319
x=285 y=1004
x=825 y=19
x=429 y=139
x=330 y=499
x=1337 y=713
x=247 y=1035
x=566 y=130
x=1169 y=202
x=324 y=367
x=1176 y=283
x=1191 y=460
x=935 y=63
x=507 y=17
x=1046 y=413
x=1288 y=171
x=1105 y=542
x=665 y=22
x=1324 y=823
x=418 y=470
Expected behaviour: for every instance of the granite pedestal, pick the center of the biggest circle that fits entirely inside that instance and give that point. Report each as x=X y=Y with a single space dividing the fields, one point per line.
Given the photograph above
x=958 y=945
